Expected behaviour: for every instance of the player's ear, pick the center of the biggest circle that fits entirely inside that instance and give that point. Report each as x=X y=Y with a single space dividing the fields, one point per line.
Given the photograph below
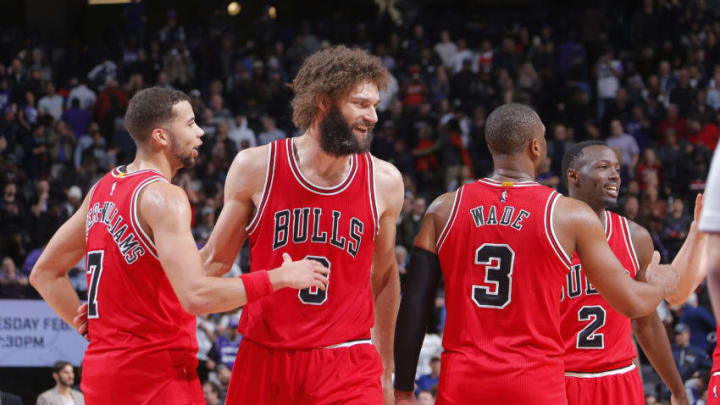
x=572 y=176
x=323 y=103
x=536 y=148
x=160 y=137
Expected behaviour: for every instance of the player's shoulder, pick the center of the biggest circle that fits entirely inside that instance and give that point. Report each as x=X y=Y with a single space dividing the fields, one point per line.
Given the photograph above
x=161 y=196
x=251 y=159
x=388 y=180
x=641 y=240
x=248 y=170
x=386 y=172
x=440 y=209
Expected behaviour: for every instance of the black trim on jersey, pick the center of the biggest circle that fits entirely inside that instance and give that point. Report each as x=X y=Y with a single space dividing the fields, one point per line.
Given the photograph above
x=416 y=307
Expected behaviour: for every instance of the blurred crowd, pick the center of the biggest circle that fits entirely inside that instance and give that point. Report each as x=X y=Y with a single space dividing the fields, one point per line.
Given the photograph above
x=644 y=77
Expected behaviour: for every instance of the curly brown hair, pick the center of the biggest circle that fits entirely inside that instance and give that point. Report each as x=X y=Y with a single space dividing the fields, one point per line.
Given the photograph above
x=332 y=73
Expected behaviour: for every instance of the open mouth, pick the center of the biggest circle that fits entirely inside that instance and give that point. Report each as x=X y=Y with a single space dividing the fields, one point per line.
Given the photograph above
x=612 y=189
x=361 y=130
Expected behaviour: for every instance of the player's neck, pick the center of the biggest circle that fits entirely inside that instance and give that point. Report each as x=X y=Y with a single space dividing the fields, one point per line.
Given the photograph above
x=513 y=168
x=317 y=164
x=158 y=162
x=598 y=209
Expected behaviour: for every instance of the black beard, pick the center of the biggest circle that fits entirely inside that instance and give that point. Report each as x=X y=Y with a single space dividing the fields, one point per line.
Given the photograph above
x=186 y=160
x=337 y=137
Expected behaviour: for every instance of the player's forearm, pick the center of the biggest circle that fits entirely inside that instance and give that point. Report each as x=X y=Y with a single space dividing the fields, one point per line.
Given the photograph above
x=212 y=294
x=58 y=292
x=689 y=261
x=653 y=339
x=386 y=301
x=213 y=265
x=638 y=301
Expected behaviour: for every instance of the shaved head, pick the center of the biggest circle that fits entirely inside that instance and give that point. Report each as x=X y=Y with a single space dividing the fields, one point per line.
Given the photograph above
x=510 y=128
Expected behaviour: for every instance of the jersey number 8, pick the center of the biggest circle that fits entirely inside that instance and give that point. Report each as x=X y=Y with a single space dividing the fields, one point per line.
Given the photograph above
x=314 y=295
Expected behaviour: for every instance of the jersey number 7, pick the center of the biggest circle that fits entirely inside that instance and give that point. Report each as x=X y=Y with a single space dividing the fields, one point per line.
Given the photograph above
x=94 y=268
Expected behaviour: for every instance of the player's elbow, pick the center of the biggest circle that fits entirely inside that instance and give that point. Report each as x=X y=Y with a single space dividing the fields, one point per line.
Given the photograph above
x=193 y=306
x=637 y=309
x=36 y=277
x=193 y=302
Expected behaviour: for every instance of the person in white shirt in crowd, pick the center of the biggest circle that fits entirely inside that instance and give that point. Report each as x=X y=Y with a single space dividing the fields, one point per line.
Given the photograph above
x=446 y=49
x=242 y=135
x=51 y=103
x=83 y=93
x=62 y=393
x=271 y=132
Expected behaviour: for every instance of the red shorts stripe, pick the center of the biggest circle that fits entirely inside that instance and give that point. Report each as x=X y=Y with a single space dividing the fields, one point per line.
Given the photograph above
x=625 y=388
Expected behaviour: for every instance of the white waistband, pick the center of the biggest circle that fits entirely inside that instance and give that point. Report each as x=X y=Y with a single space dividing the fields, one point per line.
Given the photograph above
x=602 y=373
x=350 y=343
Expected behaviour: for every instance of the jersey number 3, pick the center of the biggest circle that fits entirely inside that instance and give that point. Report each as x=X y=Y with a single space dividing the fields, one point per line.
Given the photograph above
x=94 y=268
x=314 y=295
x=498 y=260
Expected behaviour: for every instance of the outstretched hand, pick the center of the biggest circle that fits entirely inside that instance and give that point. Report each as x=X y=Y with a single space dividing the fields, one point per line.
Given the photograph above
x=663 y=275
x=303 y=273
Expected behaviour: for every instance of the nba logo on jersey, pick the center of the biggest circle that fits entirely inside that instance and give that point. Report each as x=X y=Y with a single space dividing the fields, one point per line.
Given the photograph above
x=503 y=196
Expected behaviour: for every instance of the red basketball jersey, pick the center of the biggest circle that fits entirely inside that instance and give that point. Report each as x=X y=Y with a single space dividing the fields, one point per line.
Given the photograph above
x=598 y=338
x=140 y=336
x=334 y=225
x=503 y=270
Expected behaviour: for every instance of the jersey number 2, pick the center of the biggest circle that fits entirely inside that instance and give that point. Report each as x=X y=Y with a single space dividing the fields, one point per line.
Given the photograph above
x=94 y=268
x=587 y=338
x=498 y=260
x=314 y=295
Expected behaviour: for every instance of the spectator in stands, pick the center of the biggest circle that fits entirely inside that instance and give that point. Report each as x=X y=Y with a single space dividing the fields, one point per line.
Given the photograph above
x=212 y=394
x=624 y=144
x=690 y=360
x=425 y=397
x=77 y=118
x=429 y=382
x=13 y=284
x=243 y=136
x=79 y=91
x=227 y=344
x=676 y=226
x=270 y=131
x=52 y=103
x=62 y=393
x=701 y=323
x=410 y=224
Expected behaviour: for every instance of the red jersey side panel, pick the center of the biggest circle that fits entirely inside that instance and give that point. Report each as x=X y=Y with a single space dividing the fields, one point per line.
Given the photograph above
x=140 y=336
x=503 y=270
x=598 y=338
x=336 y=226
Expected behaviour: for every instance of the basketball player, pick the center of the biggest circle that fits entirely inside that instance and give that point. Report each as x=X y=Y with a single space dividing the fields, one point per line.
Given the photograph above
x=710 y=223
x=503 y=245
x=143 y=267
x=321 y=196
x=599 y=349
